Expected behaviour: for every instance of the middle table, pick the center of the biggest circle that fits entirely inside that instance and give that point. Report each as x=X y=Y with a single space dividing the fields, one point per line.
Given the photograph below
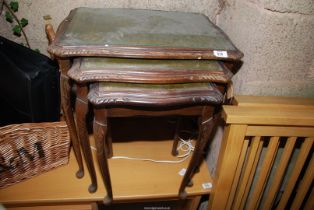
x=140 y=85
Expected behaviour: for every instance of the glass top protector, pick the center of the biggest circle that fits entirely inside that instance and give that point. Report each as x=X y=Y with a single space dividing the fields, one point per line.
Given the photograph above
x=141 y=28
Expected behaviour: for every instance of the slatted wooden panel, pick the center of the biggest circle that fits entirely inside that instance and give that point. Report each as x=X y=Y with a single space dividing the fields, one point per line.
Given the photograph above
x=297 y=183
x=275 y=163
x=253 y=187
x=248 y=173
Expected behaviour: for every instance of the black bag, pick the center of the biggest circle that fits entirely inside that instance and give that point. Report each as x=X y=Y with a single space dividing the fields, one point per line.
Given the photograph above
x=29 y=85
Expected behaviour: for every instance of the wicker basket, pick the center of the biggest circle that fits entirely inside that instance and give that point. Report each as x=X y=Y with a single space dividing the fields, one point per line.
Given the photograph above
x=27 y=150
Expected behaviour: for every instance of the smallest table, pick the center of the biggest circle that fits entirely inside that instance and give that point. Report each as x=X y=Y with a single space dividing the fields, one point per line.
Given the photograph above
x=153 y=100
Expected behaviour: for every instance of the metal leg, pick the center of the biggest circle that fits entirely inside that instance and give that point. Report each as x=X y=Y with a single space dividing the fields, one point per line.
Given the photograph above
x=100 y=132
x=81 y=110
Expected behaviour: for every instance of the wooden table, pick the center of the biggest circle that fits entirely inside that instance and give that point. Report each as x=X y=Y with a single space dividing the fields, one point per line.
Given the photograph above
x=128 y=34
x=133 y=33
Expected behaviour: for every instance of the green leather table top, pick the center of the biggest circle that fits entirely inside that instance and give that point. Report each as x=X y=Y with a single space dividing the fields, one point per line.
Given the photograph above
x=149 y=64
x=109 y=86
x=92 y=69
x=108 y=93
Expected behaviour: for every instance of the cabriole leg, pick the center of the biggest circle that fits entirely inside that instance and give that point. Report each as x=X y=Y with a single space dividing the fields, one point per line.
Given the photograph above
x=207 y=123
x=176 y=137
x=65 y=89
x=108 y=143
x=81 y=110
x=100 y=132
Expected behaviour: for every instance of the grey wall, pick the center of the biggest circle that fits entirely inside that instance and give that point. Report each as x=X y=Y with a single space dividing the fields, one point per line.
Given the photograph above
x=277 y=38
